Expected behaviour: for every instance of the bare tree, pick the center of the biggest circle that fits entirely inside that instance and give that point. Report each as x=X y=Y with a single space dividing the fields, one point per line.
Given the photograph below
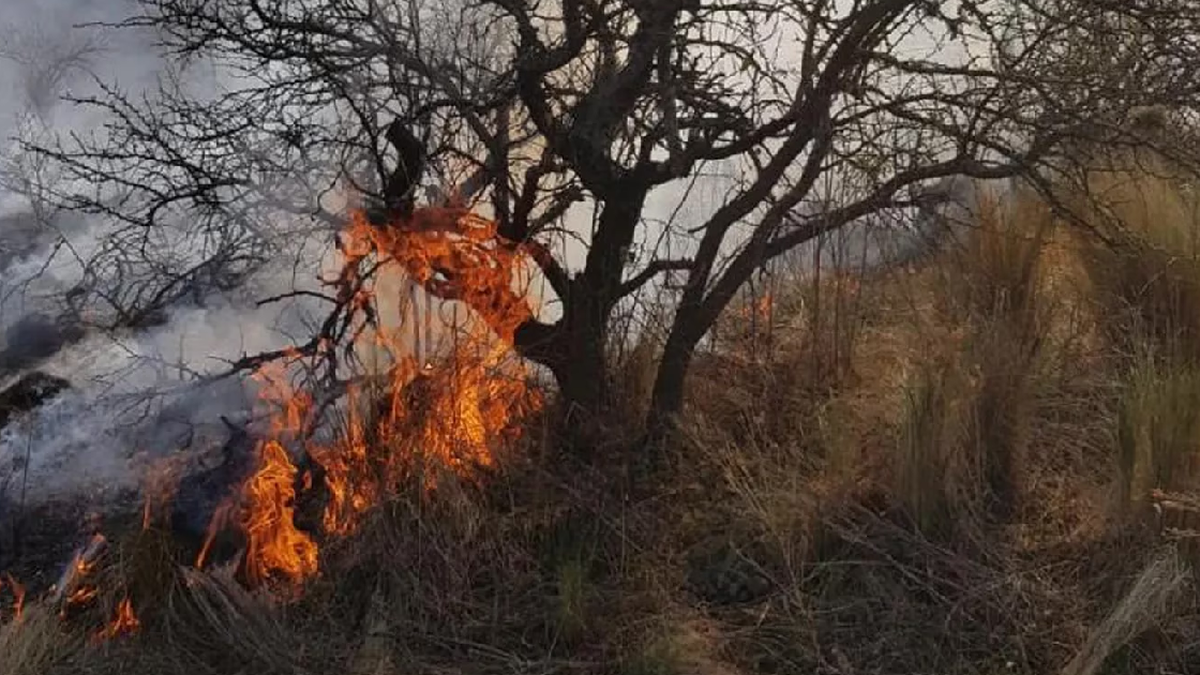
x=843 y=105
x=47 y=59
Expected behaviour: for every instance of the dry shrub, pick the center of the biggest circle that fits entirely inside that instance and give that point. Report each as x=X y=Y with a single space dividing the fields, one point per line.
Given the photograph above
x=1153 y=599
x=506 y=572
x=1147 y=272
x=997 y=273
x=217 y=618
x=679 y=643
x=932 y=481
x=1158 y=427
x=854 y=588
x=188 y=620
x=972 y=398
x=780 y=357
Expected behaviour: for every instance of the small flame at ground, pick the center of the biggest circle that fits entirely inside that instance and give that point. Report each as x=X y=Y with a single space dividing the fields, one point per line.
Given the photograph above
x=18 y=592
x=124 y=623
x=82 y=595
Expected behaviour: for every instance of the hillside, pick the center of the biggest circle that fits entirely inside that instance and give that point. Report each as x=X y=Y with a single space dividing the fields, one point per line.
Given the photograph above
x=978 y=464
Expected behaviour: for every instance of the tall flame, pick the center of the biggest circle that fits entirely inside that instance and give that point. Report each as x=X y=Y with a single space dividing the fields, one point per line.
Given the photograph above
x=275 y=546
x=452 y=412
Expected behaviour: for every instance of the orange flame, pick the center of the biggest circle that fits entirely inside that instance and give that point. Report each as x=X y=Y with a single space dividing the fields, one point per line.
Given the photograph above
x=275 y=546
x=220 y=519
x=124 y=623
x=760 y=309
x=82 y=594
x=453 y=414
x=18 y=592
x=455 y=254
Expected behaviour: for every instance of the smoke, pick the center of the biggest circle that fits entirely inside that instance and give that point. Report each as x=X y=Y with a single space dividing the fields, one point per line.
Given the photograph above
x=134 y=395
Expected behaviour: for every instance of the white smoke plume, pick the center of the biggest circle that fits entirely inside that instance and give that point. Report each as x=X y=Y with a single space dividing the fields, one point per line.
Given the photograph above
x=131 y=395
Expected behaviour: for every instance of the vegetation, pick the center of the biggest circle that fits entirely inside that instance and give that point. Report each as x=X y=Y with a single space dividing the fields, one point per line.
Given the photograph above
x=970 y=490
x=821 y=114
x=984 y=462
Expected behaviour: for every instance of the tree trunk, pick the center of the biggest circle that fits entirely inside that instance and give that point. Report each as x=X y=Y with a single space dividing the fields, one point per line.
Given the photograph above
x=582 y=372
x=666 y=401
x=573 y=349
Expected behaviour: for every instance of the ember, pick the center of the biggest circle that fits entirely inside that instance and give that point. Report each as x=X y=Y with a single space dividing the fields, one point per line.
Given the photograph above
x=80 y=566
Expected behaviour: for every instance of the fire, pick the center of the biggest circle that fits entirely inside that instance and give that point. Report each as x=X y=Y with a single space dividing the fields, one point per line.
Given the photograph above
x=18 y=593
x=124 y=623
x=275 y=546
x=453 y=412
x=82 y=595
x=82 y=564
x=760 y=309
x=220 y=519
x=455 y=255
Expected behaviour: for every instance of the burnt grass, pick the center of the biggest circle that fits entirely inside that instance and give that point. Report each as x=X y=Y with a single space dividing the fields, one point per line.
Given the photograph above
x=37 y=541
x=830 y=506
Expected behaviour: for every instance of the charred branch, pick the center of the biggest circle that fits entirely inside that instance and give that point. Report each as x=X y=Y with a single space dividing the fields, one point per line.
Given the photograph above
x=400 y=189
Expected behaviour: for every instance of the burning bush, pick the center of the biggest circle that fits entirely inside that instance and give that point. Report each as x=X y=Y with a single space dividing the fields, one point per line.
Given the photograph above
x=452 y=413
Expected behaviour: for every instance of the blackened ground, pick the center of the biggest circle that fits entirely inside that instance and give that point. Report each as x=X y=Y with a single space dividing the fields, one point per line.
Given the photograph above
x=201 y=494
x=37 y=542
x=35 y=338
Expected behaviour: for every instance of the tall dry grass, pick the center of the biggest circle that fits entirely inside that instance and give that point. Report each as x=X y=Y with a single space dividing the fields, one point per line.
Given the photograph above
x=1146 y=275
x=37 y=643
x=1146 y=278
x=888 y=474
x=972 y=400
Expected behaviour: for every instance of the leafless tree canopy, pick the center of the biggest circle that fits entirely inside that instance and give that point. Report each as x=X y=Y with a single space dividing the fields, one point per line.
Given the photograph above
x=842 y=105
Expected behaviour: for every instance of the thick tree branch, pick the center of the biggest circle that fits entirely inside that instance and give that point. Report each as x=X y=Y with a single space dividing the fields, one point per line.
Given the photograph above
x=653 y=269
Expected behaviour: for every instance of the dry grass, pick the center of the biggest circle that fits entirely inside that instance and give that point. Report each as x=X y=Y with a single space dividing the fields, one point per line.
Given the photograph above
x=37 y=643
x=929 y=472
x=1150 y=601
x=1159 y=427
x=1148 y=280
